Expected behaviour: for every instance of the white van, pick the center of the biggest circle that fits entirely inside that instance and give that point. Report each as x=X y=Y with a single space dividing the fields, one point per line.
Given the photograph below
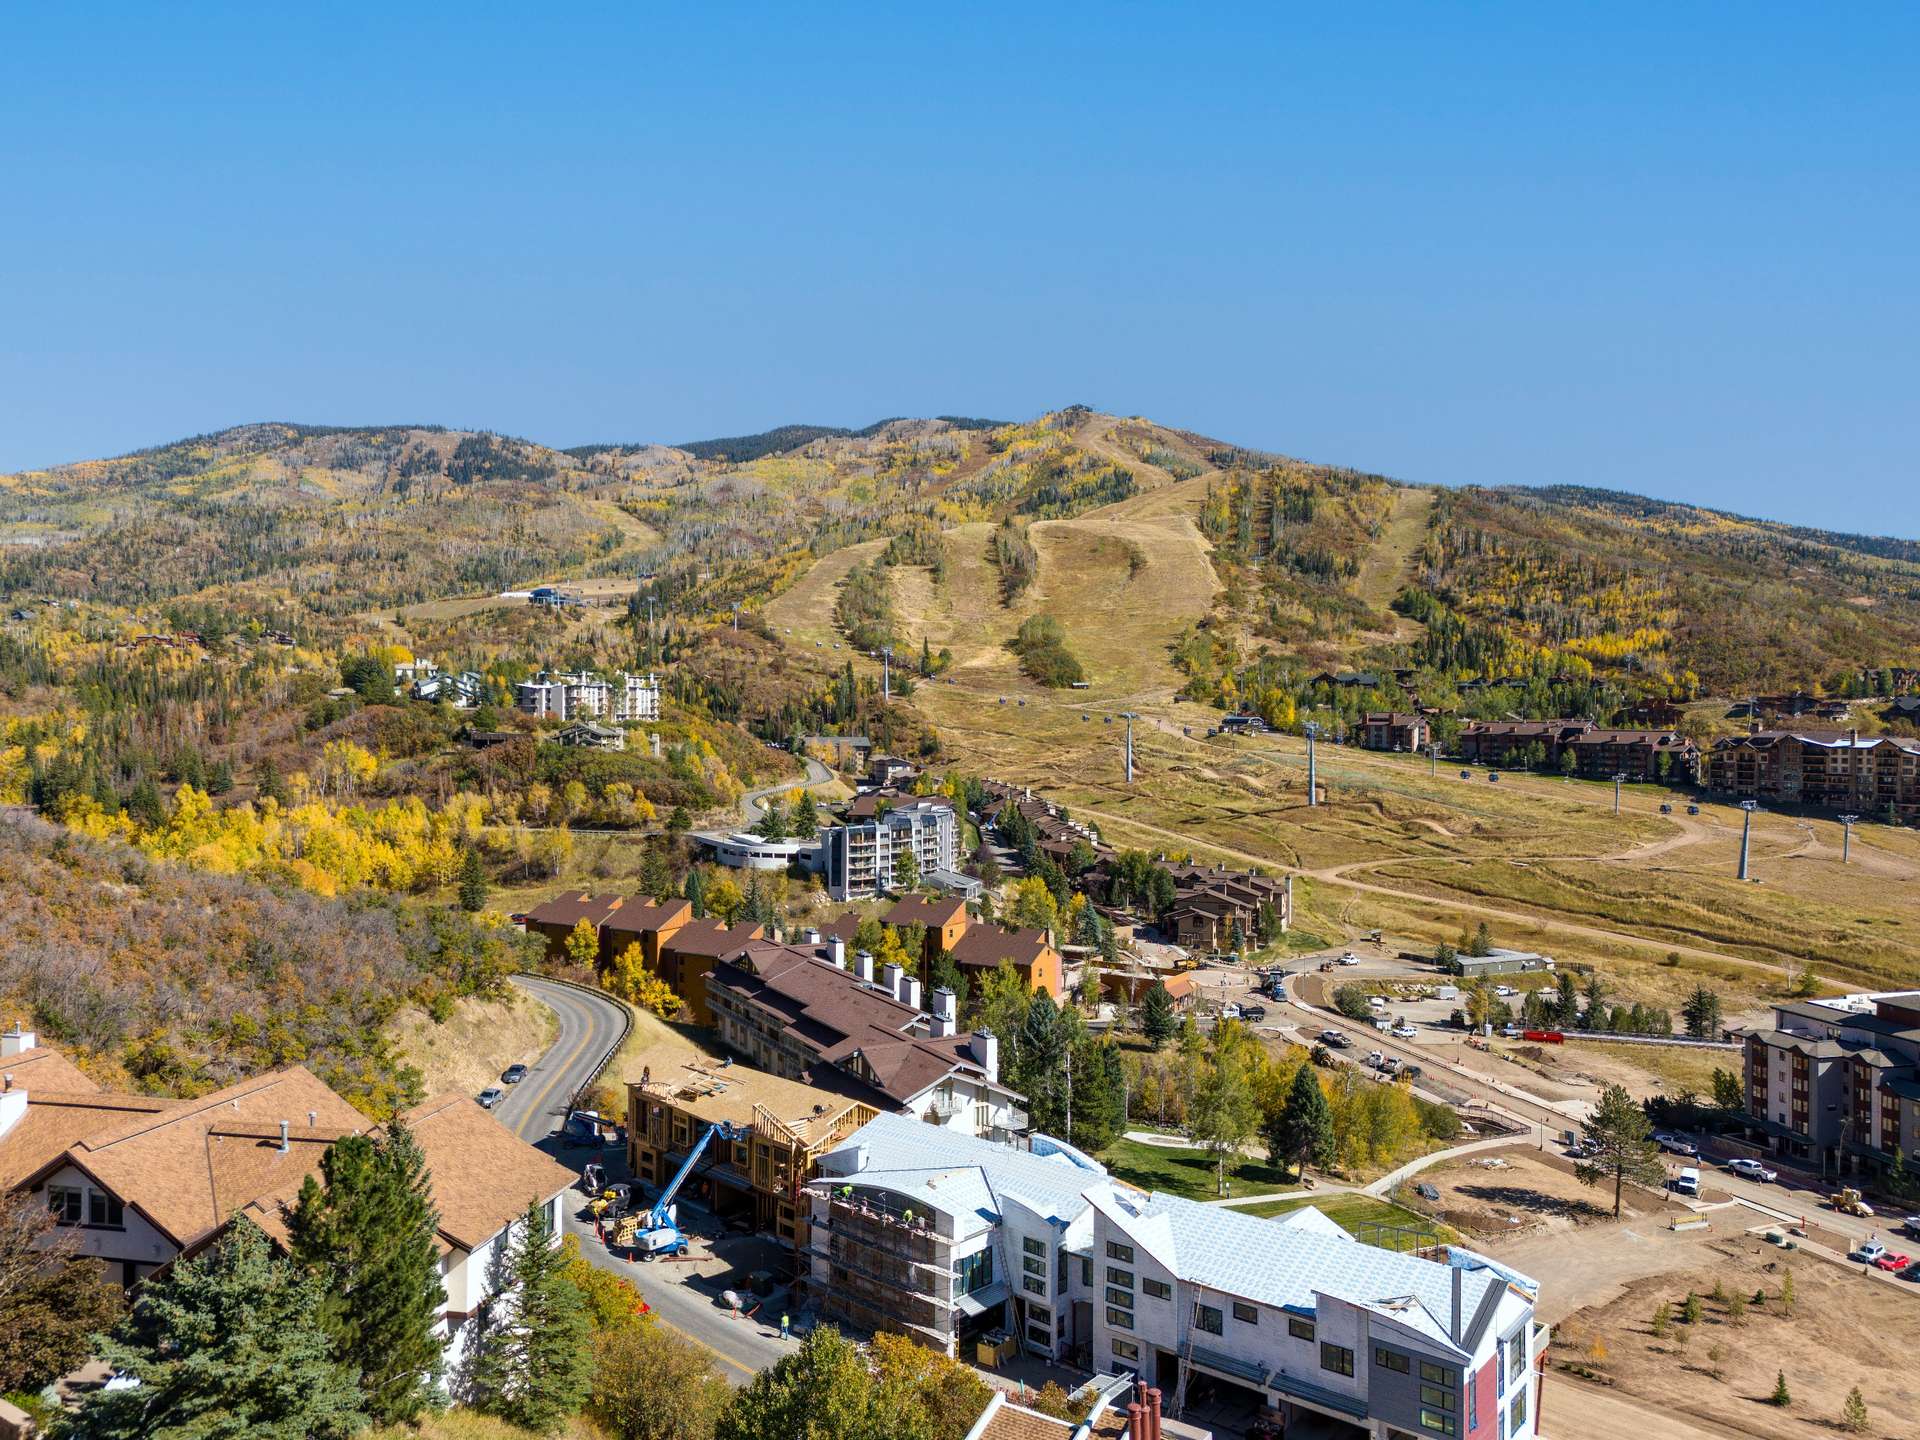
x=1688 y=1183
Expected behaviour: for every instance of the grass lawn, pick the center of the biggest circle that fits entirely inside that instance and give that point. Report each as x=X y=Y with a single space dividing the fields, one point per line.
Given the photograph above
x=1188 y=1172
x=1348 y=1211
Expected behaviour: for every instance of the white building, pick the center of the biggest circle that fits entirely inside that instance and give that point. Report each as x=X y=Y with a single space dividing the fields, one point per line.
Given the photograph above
x=863 y=857
x=144 y=1180
x=624 y=698
x=943 y=1237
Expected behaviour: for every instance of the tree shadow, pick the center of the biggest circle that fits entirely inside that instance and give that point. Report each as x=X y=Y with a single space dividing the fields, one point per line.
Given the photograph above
x=1525 y=1197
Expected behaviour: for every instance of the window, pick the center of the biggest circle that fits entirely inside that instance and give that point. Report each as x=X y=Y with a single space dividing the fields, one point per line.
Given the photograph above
x=1337 y=1358
x=1033 y=1246
x=1300 y=1329
x=1246 y=1314
x=976 y=1272
x=1158 y=1289
x=1209 y=1318
x=1121 y=1318
x=1041 y=1336
x=1033 y=1286
x=1033 y=1266
x=1117 y=1296
x=1126 y=1349
x=1117 y=1276
x=66 y=1202
x=1086 y=1271
x=105 y=1210
x=1444 y=1424
x=1436 y=1397
x=1385 y=1359
x=1473 y=1402
x=1517 y=1415
x=1517 y=1353
x=1040 y=1314
x=1060 y=1272
x=1117 y=1251
x=1436 y=1374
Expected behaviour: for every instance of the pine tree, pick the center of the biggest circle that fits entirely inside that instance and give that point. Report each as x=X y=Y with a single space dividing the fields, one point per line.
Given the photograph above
x=1625 y=1150
x=1301 y=1133
x=227 y=1344
x=696 y=895
x=805 y=819
x=533 y=1364
x=473 y=882
x=1702 y=1012
x=1781 y=1396
x=1853 y=1415
x=1157 y=1020
x=365 y=1231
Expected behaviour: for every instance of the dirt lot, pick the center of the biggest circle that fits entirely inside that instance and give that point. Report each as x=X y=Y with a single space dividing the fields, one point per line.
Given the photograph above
x=1843 y=1330
x=1516 y=1192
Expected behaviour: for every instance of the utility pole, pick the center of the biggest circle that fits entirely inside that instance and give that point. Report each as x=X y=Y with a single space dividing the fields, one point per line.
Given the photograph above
x=886 y=672
x=1616 y=793
x=1846 y=836
x=736 y=615
x=1746 y=833
x=1129 y=716
x=1433 y=754
x=1313 y=788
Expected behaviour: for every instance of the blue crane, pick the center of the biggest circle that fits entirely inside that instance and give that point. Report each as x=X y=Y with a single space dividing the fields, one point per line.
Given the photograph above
x=657 y=1233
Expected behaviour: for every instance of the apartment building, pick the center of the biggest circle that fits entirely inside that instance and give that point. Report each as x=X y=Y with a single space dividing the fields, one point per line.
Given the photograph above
x=1500 y=742
x=1877 y=776
x=1392 y=730
x=1213 y=905
x=780 y=1128
x=809 y=1012
x=864 y=855
x=1028 y=951
x=144 y=1180
x=1835 y=1083
x=1637 y=754
x=621 y=697
x=944 y=1238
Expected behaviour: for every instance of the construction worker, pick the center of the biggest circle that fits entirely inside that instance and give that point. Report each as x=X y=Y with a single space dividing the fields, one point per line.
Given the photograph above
x=786 y=1326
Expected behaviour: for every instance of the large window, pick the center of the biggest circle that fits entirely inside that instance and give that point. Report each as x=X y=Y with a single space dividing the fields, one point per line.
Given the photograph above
x=1125 y=1349
x=1117 y=1296
x=1209 y=1318
x=1300 y=1329
x=1517 y=1415
x=1033 y=1286
x=1517 y=1354
x=1337 y=1358
x=1246 y=1314
x=105 y=1210
x=1385 y=1359
x=1438 y=1398
x=1122 y=1253
x=67 y=1203
x=1117 y=1276
x=1033 y=1266
x=1158 y=1289
x=1437 y=1421
x=1033 y=1246
x=975 y=1272
x=1436 y=1374
x=1121 y=1318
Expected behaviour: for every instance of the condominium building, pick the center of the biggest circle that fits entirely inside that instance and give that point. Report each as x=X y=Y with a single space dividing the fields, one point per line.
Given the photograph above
x=1877 y=776
x=864 y=856
x=1392 y=730
x=623 y=697
x=945 y=1238
x=1836 y=1083
x=1637 y=754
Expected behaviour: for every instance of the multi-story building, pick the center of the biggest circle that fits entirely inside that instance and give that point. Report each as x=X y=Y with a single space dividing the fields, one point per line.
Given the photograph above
x=1027 y=951
x=1843 y=771
x=1637 y=754
x=144 y=1180
x=807 y=1012
x=863 y=856
x=1391 y=730
x=1836 y=1083
x=780 y=1127
x=942 y=1238
x=623 y=697
x=1498 y=742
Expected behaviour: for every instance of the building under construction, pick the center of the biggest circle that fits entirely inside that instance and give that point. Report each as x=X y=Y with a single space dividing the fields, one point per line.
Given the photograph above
x=781 y=1127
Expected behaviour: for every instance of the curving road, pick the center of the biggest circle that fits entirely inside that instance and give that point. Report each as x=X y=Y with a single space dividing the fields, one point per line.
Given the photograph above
x=752 y=803
x=589 y=1026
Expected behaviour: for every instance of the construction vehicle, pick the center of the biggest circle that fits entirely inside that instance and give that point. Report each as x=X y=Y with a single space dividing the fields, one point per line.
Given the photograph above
x=653 y=1232
x=1850 y=1202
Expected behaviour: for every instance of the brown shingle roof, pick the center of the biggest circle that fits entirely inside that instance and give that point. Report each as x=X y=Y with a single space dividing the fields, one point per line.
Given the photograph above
x=573 y=906
x=483 y=1174
x=640 y=914
x=44 y=1068
x=710 y=938
x=985 y=946
x=57 y=1119
x=918 y=910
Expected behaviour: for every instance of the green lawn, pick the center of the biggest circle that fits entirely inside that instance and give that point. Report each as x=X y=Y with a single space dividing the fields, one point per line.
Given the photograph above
x=1349 y=1212
x=1188 y=1172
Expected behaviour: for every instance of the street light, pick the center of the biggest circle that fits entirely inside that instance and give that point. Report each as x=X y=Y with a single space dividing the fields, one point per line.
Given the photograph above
x=1846 y=836
x=1746 y=833
x=1313 y=788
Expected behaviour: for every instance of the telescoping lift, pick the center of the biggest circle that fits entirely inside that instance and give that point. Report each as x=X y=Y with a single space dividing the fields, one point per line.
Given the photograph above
x=655 y=1230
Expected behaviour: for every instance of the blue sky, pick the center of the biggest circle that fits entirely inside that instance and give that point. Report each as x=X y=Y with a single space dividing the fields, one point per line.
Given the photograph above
x=1666 y=249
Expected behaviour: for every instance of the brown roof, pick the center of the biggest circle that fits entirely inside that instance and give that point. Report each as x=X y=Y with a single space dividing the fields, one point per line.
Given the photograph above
x=985 y=946
x=842 y=927
x=641 y=914
x=865 y=807
x=1393 y=717
x=918 y=910
x=710 y=938
x=1659 y=739
x=571 y=907
x=56 y=1119
x=44 y=1068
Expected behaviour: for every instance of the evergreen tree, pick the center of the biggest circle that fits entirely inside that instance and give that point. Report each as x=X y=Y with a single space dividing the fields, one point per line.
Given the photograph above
x=365 y=1230
x=1781 y=1396
x=1853 y=1415
x=773 y=820
x=1702 y=1012
x=805 y=820
x=1301 y=1133
x=533 y=1364
x=1157 y=1020
x=226 y=1346
x=1625 y=1148
x=1038 y=1065
x=473 y=881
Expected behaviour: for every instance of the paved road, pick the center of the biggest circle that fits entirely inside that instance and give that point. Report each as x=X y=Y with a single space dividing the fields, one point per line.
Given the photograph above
x=535 y=1108
x=752 y=803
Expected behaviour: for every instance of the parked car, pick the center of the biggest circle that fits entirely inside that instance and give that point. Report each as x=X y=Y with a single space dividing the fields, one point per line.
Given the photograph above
x=1255 y=1013
x=1912 y=1226
x=1870 y=1252
x=1912 y=1272
x=1376 y=1058
x=1676 y=1144
x=1404 y=1031
x=1379 y=1002
x=1505 y=992
x=514 y=1074
x=1466 y=774
x=1893 y=1262
x=1336 y=1038
x=1511 y=1031
x=1749 y=1169
x=1687 y=1182
x=490 y=1097
x=1349 y=959
x=1390 y=1065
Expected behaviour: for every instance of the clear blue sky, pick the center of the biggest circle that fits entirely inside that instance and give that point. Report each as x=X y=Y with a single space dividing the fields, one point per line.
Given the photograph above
x=1670 y=249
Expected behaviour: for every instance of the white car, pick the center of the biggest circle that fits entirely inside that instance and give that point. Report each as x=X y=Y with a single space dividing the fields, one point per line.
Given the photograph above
x=1869 y=1252
x=1505 y=992
x=1349 y=959
x=1404 y=1031
x=1379 y=1002
x=1748 y=1169
x=1676 y=1144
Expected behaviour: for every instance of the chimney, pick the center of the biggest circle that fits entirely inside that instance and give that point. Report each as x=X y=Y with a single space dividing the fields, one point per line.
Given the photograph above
x=809 y=936
x=313 y=1119
x=1136 y=1424
x=285 y=1144
x=13 y=1105
x=16 y=1040
x=1153 y=1414
x=838 y=949
x=985 y=1049
x=890 y=977
x=910 y=992
x=1853 y=736
x=943 y=1003
x=863 y=965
